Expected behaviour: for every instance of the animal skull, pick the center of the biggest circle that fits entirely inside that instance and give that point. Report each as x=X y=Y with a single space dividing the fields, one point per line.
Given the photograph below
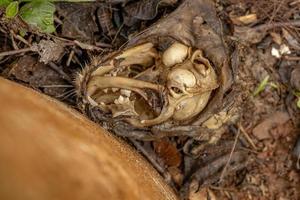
x=185 y=84
x=189 y=87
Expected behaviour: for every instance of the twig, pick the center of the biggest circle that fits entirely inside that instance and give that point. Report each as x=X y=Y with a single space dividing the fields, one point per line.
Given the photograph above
x=152 y=160
x=230 y=156
x=70 y=58
x=57 y=86
x=139 y=147
x=276 y=11
x=15 y=46
x=119 y=30
x=104 y=45
x=18 y=37
x=78 y=43
x=247 y=136
x=13 y=52
x=87 y=46
x=276 y=24
x=291 y=58
x=222 y=188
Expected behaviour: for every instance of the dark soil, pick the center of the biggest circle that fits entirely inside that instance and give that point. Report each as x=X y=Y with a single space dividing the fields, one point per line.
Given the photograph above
x=256 y=156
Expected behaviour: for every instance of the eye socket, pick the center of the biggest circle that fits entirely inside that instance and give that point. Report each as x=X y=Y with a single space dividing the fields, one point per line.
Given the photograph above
x=199 y=62
x=135 y=70
x=176 y=90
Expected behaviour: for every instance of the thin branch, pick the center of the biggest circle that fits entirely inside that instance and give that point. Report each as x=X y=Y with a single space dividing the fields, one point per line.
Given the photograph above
x=247 y=137
x=13 y=52
x=230 y=156
x=276 y=24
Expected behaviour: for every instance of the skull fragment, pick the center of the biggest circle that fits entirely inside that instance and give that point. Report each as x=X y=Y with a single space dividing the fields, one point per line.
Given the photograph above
x=171 y=78
x=146 y=87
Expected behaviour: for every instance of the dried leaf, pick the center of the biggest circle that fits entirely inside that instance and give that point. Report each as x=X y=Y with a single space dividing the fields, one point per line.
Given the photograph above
x=143 y=10
x=202 y=194
x=38 y=75
x=167 y=152
x=104 y=15
x=78 y=22
x=249 y=35
x=295 y=79
x=48 y=50
x=290 y=39
x=244 y=20
x=176 y=174
x=276 y=38
x=261 y=131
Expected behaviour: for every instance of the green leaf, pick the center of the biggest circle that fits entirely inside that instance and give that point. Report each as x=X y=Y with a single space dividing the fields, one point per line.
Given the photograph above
x=298 y=103
x=297 y=93
x=12 y=9
x=261 y=86
x=22 y=32
x=5 y=2
x=39 y=13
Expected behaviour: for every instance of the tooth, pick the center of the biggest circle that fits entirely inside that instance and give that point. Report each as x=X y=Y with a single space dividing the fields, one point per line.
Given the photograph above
x=125 y=92
x=121 y=99
x=105 y=90
x=116 y=101
x=126 y=100
x=114 y=89
x=94 y=103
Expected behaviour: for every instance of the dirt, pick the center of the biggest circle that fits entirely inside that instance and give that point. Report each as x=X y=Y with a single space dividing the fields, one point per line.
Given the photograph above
x=250 y=151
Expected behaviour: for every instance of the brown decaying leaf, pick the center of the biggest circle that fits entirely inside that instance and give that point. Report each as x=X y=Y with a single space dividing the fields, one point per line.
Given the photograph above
x=143 y=10
x=202 y=194
x=244 y=20
x=78 y=22
x=167 y=152
x=261 y=131
x=48 y=50
x=38 y=75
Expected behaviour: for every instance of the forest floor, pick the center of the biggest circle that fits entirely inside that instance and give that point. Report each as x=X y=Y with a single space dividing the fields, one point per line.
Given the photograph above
x=263 y=39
